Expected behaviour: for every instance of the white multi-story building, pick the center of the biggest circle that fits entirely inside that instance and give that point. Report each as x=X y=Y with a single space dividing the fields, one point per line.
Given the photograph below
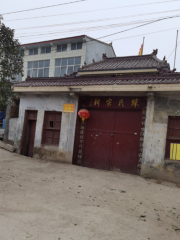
x=54 y=58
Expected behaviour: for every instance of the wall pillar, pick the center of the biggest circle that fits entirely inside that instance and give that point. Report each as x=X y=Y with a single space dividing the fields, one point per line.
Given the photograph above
x=148 y=126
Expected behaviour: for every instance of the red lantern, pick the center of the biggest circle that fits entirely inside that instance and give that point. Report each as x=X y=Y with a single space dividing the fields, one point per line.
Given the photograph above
x=84 y=114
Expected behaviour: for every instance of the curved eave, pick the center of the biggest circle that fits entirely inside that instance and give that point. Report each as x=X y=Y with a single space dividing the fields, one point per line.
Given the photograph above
x=129 y=71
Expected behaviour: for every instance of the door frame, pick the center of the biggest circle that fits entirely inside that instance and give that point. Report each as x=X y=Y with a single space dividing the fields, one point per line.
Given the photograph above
x=87 y=103
x=29 y=115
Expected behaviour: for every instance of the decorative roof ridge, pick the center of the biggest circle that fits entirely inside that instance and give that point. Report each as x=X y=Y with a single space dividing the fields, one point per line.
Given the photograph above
x=128 y=57
x=92 y=64
x=105 y=58
x=132 y=56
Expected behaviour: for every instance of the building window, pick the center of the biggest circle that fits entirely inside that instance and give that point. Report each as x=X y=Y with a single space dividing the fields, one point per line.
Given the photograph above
x=62 y=48
x=51 y=128
x=38 y=69
x=33 y=51
x=46 y=49
x=22 y=52
x=173 y=139
x=75 y=46
x=17 y=77
x=66 y=66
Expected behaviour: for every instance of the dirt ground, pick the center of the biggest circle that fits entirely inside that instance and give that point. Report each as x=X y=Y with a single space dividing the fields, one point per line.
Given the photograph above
x=51 y=201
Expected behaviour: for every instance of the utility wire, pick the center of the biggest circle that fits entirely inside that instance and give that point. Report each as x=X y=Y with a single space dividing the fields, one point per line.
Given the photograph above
x=139 y=26
x=133 y=27
x=111 y=40
x=88 y=11
x=134 y=36
x=82 y=11
x=143 y=34
x=173 y=50
x=96 y=20
x=130 y=16
x=99 y=28
x=84 y=28
x=27 y=10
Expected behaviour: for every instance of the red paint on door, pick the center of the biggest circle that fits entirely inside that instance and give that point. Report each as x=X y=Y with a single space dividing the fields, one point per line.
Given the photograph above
x=112 y=140
x=98 y=139
x=126 y=141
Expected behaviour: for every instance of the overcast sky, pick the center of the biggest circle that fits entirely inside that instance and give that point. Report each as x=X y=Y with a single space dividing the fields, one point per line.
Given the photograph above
x=125 y=44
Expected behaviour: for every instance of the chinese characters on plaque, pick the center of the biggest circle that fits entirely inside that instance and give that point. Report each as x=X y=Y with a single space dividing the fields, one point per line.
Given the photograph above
x=113 y=102
x=97 y=102
x=121 y=103
x=134 y=103
x=109 y=102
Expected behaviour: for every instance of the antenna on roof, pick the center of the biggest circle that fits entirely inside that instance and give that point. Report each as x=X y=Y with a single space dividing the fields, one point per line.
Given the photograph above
x=175 y=49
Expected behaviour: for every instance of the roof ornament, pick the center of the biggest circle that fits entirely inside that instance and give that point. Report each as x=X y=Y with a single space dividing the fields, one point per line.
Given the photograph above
x=104 y=56
x=84 y=65
x=155 y=51
x=93 y=60
x=164 y=58
x=70 y=75
x=163 y=70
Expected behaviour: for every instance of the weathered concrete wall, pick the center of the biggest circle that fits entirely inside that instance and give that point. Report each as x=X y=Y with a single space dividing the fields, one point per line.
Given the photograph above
x=6 y=130
x=49 y=102
x=158 y=110
x=95 y=49
x=12 y=130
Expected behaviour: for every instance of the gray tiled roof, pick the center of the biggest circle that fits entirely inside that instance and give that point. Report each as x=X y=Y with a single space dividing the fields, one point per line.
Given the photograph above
x=122 y=63
x=89 y=81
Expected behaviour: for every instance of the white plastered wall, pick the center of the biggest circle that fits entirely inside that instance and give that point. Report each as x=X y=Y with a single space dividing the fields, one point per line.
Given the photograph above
x=49 y=102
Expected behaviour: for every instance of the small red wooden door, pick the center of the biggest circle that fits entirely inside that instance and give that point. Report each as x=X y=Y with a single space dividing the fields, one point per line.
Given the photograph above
x=126 y=141
x=99 y=140
x=31 y=138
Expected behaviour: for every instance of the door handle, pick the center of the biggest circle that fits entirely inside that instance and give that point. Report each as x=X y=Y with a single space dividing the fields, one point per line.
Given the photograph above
x=112 y=134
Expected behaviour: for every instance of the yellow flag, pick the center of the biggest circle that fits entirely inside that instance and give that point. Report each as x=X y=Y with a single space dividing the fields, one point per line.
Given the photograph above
x=141 y=49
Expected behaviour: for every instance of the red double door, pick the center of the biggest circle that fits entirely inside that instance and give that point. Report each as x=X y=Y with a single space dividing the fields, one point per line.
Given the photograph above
x=112 y=140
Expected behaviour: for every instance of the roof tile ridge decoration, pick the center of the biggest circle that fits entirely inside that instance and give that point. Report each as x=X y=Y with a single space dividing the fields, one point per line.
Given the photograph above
x=93 y=63
x=163 y=63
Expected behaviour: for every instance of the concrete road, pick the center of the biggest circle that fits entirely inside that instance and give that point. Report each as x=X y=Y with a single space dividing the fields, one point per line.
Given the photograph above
x=50 y=201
